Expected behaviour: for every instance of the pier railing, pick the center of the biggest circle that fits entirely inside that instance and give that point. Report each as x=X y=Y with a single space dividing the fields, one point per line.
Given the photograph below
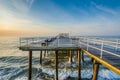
x=109 y=46
x=30 y=41
x=51 y=41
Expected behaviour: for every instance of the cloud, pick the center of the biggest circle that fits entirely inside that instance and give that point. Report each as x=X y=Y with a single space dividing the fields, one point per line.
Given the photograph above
x=31 y=2
x=14 y=11
x=14 y=19
x=22 y=5
x=108 y=10
x=105 y=9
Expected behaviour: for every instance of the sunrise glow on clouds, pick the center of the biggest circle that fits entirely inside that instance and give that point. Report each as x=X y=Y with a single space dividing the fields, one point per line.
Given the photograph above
x=50 y=17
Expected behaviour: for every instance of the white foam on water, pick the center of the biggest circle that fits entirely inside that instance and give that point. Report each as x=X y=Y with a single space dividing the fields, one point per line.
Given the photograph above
x=22 y=78
x=108 y=74
x=38 y=79
x=48 y=71
x=86 y=73
x=73 y=74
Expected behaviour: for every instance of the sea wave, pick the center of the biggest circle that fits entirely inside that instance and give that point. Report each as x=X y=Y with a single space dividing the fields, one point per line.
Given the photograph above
x=16 y=68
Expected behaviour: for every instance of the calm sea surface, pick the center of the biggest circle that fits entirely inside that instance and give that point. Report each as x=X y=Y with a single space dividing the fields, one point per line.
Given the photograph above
x=14 y=65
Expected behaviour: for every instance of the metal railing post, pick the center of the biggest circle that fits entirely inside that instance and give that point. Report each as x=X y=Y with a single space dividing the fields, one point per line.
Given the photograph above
x=87 y=44
x=39 y=41
x=71 y=41
x=116 y=45
x=102 y=45
x=95 y=42
x=80 y=43
x=27 y=42
x=58 y=41
x=20 y=42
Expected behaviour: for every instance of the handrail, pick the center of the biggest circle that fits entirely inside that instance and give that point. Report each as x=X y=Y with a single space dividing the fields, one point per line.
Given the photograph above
x=102 y=50
x=26 y=41
x=102 y=43
x=88 y=42
x=99 y=40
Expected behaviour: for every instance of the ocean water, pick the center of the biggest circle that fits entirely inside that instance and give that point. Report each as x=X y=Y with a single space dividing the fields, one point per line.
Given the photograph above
x=14 y=65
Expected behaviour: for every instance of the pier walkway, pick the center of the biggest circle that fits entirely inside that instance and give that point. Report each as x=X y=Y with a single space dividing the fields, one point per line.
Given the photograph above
x=101 y=51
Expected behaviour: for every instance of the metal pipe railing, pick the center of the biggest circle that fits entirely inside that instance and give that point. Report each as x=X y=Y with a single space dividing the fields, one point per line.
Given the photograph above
x=101 y=44
x=29 y=41
x=98 y=44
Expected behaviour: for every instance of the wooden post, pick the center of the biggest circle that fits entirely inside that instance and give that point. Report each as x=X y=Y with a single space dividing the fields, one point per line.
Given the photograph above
x=77 y=53
x=95 y=71
x=30 y=66
x=82 y=56
x=71 y=54
x=67 y=52
x=44 y=53
x=41 y=57
x=56 y=63
x=79 y=65
x=92 y=60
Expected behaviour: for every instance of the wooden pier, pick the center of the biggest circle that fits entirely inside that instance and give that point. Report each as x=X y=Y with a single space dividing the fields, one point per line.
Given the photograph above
x=63 y=42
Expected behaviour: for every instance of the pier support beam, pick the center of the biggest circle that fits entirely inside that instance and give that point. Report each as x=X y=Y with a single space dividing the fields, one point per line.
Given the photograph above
x=44 y=53
x=30 y=66
x=41 y=57
x=82 y=56
x=56 y=64
x=79 y=64
x=92 y=60
x=71 y=54
x=95 y=71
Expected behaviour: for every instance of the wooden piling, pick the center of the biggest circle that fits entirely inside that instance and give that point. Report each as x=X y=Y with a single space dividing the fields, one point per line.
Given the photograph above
x=41 y=57
x=92 y=60
x=30 y=66
x=95 y=71
x=56 y=63
x=44 y=53
x=82 y=56
x=71 y=54
x=79 y=65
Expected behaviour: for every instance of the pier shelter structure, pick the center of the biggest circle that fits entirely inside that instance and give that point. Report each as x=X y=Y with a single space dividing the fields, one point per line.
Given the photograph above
x=97 y=51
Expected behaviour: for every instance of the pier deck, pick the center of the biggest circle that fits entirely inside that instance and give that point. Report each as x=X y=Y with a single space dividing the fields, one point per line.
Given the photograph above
x=57 y=44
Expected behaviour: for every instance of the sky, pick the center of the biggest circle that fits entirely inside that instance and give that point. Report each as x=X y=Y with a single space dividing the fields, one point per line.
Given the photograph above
x=51 y=17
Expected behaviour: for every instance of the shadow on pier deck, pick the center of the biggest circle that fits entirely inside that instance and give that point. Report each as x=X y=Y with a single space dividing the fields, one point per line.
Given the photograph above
x=99 y=54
